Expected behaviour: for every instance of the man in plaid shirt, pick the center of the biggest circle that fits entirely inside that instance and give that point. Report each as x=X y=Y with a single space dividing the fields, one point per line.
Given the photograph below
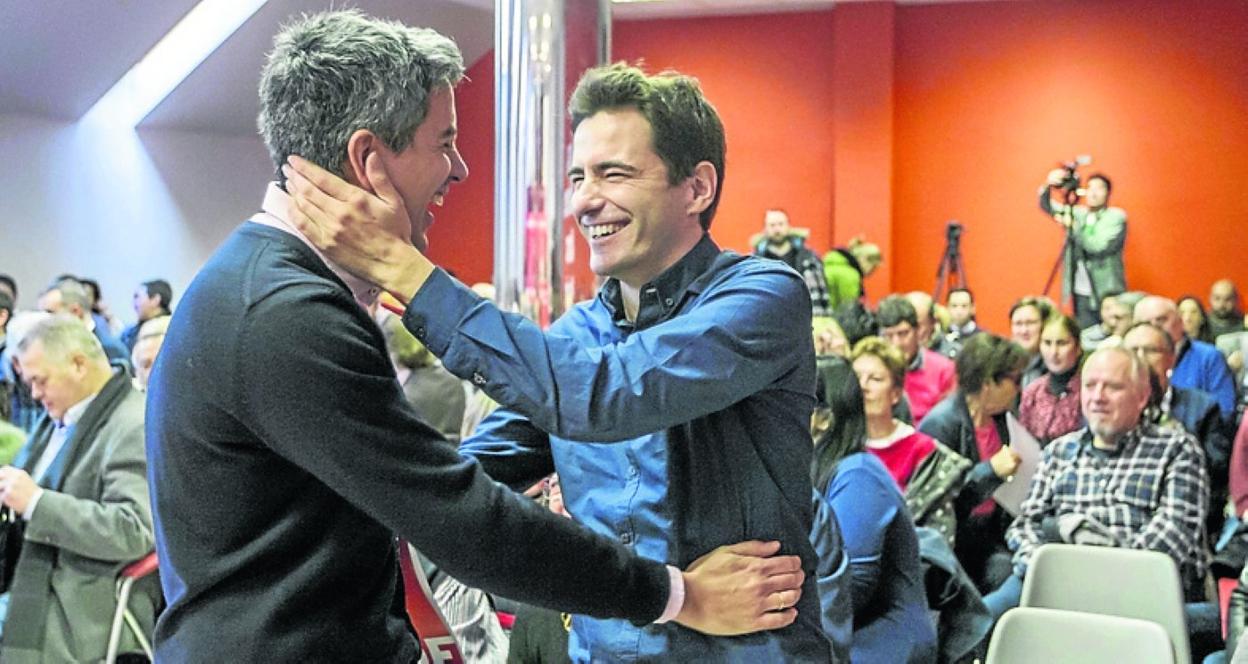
x=1121 y=481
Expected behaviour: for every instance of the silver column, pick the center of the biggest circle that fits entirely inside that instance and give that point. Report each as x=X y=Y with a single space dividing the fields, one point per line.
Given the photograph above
x=541 y=47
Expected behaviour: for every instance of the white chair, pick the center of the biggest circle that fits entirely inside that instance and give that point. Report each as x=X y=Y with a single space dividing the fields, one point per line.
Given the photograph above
x=1049 y=636
x=1117 y=582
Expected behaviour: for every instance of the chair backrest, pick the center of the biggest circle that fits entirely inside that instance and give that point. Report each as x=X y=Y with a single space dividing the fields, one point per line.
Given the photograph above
x=1117 y=582
x=1026 y=635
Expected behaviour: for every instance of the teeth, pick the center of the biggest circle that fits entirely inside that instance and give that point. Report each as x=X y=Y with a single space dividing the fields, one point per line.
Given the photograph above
x=603 y=230
x=437 y=199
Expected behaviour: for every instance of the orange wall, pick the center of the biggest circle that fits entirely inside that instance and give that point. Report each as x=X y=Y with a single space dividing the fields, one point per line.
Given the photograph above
x=983 y=99
x=767 y=77
x=990 y=95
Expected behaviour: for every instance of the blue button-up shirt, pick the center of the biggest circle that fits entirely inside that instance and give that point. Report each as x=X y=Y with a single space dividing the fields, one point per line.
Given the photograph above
x=706 y=399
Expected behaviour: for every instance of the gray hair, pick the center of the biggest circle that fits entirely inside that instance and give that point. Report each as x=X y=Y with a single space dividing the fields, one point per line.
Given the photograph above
x=73 y=292
x=1138 y=368
x=62 y=335
x=333 y=73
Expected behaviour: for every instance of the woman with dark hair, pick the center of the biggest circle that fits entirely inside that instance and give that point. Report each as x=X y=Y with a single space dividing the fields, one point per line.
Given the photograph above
x=1195 y=320
x=891 y=622
x=972 y=422
x=1050 y=406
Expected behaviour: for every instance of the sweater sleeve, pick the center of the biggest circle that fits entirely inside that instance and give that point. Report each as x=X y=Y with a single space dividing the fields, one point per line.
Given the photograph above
x=325 y=397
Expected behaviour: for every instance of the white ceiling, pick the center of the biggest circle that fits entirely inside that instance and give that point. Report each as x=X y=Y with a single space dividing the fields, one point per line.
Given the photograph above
x=60 y=56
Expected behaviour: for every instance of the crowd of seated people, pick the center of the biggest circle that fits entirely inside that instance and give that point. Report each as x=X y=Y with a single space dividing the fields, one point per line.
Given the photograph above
x=909 y=433
x=1139 y=418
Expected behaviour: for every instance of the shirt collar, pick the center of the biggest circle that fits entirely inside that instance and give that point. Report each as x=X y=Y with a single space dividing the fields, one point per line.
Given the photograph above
x=74 y=412
x=1126 y=442
x=661 y=297
x=917 y=362
x=275 y=213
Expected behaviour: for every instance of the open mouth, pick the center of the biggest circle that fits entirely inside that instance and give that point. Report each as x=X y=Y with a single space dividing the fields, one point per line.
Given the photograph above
x=598 y=231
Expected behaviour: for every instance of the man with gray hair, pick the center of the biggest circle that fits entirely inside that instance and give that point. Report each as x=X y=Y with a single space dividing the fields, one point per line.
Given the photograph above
x=1199 y=365
x=1121 y=481
x=283 y=453
x=79 y=487
x=71 y=297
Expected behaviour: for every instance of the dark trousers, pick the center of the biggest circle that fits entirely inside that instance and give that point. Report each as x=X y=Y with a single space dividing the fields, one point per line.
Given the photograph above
x=1087 y=311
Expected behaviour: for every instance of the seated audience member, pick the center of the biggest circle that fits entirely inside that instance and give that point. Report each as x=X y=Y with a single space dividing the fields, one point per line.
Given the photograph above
x=8 y=285
x=929 y=328
x=972 y=422
x=1122 y=481
x=146 y=346
x=846 y=267
x=1236 y=622
x=779 y=241
x=928 y=473
x=152 y=299
x=930 y=376
x=891 y=622
x=24 y=410
x=1027 y=317
x=1193 y=410
x=1199 y=365
x=829 y=337
x=961 y=305
x=1113 y=315
x=99 y=308
x=438 y=397
x=80 y=485
x=1225 y=315
x=1195 y=321
x=1050 y=406
x=856 y=321
x=1237 y=482
x=69 y=296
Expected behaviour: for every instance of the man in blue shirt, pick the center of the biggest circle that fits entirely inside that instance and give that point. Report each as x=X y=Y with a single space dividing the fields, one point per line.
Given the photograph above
x=694 y=363
x=1199 y=365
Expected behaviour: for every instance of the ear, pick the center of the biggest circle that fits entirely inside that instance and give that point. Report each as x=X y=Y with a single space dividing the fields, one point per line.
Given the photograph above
x=895 y=396
x=362 y=143
x=703 y=183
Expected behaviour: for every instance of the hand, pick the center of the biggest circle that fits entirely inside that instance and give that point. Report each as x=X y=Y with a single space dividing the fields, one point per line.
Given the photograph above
x=1055 y=177
x=16 y=488
x=1005 y=462
x=741 y=588
x=368 y=234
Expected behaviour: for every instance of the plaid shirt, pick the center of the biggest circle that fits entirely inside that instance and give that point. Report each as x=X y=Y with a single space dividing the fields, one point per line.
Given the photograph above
x=811 y=268
x=1151 y=493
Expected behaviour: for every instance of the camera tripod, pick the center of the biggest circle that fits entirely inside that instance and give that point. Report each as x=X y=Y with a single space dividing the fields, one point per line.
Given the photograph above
x=951 y=273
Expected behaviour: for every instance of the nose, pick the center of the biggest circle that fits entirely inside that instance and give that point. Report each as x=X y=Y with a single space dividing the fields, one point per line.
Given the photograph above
x=584 y=199
x=459 y=167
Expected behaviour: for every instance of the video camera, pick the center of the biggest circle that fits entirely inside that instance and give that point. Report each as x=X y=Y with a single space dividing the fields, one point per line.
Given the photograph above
x=1070 y=181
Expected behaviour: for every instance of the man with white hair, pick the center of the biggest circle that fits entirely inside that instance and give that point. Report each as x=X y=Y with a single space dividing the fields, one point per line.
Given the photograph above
x=80 y=488
x=1121 y=481
x=1199 y=365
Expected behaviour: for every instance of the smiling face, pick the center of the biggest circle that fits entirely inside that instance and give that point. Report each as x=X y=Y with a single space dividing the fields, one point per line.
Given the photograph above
x=1112 y=397
x=636 y=223
x=424 y=171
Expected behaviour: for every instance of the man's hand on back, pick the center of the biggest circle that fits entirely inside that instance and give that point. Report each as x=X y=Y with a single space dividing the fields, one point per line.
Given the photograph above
x=741 y=588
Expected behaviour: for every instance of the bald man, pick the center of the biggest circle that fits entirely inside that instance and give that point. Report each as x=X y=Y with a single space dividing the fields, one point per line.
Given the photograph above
x=1199 y=365
x=1225 y=315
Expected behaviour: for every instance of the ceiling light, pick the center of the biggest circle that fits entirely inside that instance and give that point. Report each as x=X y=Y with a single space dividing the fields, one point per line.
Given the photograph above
x=170 y=61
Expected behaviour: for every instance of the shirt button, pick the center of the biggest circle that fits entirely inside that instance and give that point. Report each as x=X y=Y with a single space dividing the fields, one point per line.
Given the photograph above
x=668 y=301
x=420 y=331
x=632 y=470
x=478 y=379
x=626 y=538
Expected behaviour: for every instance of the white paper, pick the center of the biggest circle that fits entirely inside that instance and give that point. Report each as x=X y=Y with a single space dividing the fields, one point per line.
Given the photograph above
x=1010 y=495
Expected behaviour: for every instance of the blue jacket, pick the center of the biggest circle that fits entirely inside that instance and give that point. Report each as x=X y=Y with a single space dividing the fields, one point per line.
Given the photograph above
x=1201 y=366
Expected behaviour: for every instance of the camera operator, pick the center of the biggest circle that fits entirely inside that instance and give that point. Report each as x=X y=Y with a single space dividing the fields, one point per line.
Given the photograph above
x=1095 y=235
